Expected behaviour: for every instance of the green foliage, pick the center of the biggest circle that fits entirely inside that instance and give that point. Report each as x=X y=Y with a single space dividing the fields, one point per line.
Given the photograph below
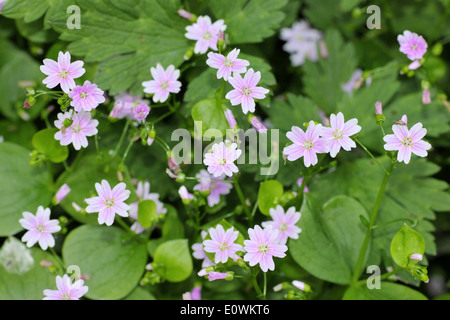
x=269 y=194
x=387 y=291
x=325 y=247
x=113 y=263
x=44 y=141
x=147 y=213
x=405 y=243
x=173 y=261
x=210 y=114
x=23 y=187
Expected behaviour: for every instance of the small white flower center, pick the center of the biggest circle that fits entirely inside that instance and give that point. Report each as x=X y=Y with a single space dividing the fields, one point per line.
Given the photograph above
x=223 y=246
x=76 y=128
x=246 y=91
x=308 y=145
x=164 y=85
x=407 y=142
x=83 y=95
x=109 y=203
x=228 y=63
x=213 y=186
x=263 y=248
x=207 y=35
x=283 y=227
x=66 y=296
x=63 y=74
x=414 y=47
x=222 y=161
x=40 y=228
x=337 y=134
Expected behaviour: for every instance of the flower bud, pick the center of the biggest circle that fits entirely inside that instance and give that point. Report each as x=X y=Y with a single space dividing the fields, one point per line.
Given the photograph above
x=63 y=191
x=301 y=286
x=230 y=118
x=416 y=257
x=426 y=97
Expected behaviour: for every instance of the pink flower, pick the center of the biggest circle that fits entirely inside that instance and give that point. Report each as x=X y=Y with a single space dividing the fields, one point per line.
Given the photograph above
x=306 y=144
x=63 y=191
x=143 y=193
x=245 y=90
x=258 y=125
x=164 y=82
x=216 y=188
x=352 y=83
x=185 y=14
x=284 y=223
x=199 y=252
x=76 y=134
x=413 y=45
x=222 y=243
x=426 y=97
x=141 y=111
x=123 y=107
x=62 y=72
x=86 y=97
x=230 y=118
x=262 y=247
x=40 y=228
x=185 y=195
x=109 y=202
x=66 y=289
x=338 y=135
x=195 y=294
x=227 y=65
x=205 y=33
x=406 y=141
x=221 y=159
x=302 y=42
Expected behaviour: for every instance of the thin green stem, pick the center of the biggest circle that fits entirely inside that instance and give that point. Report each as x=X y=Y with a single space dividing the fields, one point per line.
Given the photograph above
x=124 y=132
x=256 y=286
x=299 y=200
x=96 y=144
x=125 y=155
x=164 y=116
x=382 y=129
x=373 y=216
x=61 y=265
x=238 y=189
x=371 y=155
x=124 y=226
x=265 y=286
x=382 y=277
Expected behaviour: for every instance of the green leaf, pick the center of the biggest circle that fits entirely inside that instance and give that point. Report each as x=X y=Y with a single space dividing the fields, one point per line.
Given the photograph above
x=325 y=247
x=387 y=291
x=127 y=37
x=45 y=142
x=81 y=180
x=23 y=187
x=28 y=9
x=249 y=21
x=31 y=284
x=114 y=265
x=405 y=243
x=328 y=75
x=172 y=229
x=140 y=294
x=211 y=115
x=410 y=194
x=173 y=260
x=268 y=195
x=147 y=213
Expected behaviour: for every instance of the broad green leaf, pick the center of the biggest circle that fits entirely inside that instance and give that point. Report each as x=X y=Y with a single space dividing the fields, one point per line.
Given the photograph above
x=210 y=114
x=140 y=294
x=173 y=260
x=147 y=213
x=45 y=142
x=81 y=180
x=23 y=187
x=172 y=229
x=362 y=178
x=28 y=9
x=114 y=265
x=127 y=37
x=387 y=291
x=249 y=21
x=322 y=14
x=405 y=243
x=19 y=133
x=325 y=247
x=268 y=195
x=327 y=75
x=29 y=285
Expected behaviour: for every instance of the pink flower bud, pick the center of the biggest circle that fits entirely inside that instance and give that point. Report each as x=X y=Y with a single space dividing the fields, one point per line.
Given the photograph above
x=62 y=193
x=426 y=97
x=416 y=256
x=185 y=14
x=141 y=111
x=150 y=141
x=213 y=275
x=298 y=284
x=378 y=107
x=414 y=65
x=258 y=125
x=184 y=194
x=230 y=118
x=323 y=49
x=171 y=174
x=175 y=167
